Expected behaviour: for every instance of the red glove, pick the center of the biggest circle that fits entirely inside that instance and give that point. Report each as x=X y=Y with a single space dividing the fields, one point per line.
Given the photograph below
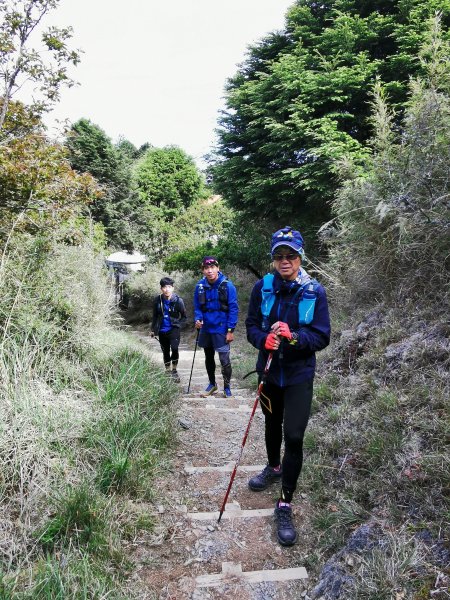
x=272 y=342
x=282 y=329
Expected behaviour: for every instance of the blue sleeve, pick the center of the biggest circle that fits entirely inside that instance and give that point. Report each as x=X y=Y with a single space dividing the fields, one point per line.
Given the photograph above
x=233 y=308
x=255 y=335
x=316 y=335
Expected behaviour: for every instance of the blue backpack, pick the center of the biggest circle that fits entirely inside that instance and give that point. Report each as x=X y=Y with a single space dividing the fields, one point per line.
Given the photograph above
x=305 y=306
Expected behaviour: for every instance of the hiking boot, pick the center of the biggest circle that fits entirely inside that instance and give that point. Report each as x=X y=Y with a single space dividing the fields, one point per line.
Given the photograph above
x=286 y=534
x=227 y=392
x=268 y=475
x=175 y=376
x=211 y=389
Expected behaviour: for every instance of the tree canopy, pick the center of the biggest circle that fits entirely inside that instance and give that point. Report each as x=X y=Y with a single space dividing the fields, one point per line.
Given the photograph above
x=299 y=103
x=39 y=191
x=168 y=181
x=43 y=65
x=92 y=151
x=398 y=208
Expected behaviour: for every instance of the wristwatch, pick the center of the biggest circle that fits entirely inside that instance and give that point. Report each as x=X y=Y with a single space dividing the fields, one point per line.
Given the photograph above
x=230 y=329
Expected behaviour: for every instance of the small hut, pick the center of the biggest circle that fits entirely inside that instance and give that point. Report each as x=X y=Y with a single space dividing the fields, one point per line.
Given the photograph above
x=120 y=265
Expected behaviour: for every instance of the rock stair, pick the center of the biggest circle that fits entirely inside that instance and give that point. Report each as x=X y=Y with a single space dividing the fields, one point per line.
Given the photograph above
x=190 y=555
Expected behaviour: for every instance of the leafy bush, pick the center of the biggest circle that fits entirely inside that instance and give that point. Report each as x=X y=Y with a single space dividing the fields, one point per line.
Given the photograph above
x=393 y=221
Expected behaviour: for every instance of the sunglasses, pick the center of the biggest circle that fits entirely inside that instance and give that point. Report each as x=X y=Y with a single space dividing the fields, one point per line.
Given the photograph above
x=291 y=256
x=210 y=263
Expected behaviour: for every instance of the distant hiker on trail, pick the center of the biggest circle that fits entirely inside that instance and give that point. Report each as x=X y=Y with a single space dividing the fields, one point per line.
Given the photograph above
x=169 y=314
x=216 y=315
x=288 y=317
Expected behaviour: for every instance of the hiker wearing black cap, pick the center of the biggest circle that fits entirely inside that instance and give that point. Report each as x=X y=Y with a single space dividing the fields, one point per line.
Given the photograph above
x=216 y=315
x=169 y=314
x=288 y=317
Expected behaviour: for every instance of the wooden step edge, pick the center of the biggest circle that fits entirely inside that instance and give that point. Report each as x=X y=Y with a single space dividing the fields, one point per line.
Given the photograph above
x=232 y=572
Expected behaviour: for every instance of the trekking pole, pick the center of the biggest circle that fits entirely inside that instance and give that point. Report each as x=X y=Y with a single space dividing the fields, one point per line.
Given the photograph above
x=255 y=404
x=192 y=368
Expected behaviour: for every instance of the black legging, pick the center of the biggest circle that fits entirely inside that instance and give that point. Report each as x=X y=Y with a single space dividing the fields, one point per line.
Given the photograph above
x=225 y=363
x=291 y=407
x=169 y=342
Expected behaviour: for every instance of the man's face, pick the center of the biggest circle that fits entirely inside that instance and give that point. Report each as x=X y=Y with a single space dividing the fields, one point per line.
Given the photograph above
x=167 y=291
x=287 y=262
x=211 y=272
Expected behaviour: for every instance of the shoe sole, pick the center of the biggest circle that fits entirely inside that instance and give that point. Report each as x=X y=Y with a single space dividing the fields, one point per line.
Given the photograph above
x=261 y=489
x=205 y=395
x=284 y=543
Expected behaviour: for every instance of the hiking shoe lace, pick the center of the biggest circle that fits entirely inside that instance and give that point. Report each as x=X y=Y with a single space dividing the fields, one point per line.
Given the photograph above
x=210 y=389
x=227 y=392
x=262 y=481
x=287 y=536
x=175 y=376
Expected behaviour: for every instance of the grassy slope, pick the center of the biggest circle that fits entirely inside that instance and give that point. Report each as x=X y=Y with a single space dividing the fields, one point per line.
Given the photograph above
x=86 y=422
x=377 y=455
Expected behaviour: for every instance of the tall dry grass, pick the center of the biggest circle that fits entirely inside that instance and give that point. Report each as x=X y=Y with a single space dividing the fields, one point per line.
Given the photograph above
x=75 y=395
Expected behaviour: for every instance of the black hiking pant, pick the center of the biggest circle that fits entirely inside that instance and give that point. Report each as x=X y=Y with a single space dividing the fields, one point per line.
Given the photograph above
x=225 y=364
x=169 y=342
x=291 y=407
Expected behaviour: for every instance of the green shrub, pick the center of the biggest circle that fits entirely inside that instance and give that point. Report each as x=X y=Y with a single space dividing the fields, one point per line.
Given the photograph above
x=392 y=220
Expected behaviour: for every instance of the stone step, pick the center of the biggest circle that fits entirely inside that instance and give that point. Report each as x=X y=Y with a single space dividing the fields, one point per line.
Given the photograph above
x=233 y=573
x=228 y=468
x=232 y=511
x=219 y=397
x=242 y=408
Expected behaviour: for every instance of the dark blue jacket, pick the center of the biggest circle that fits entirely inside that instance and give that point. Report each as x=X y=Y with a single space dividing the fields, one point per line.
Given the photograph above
x=177 y=312
x=292 y=363
x=214 y=319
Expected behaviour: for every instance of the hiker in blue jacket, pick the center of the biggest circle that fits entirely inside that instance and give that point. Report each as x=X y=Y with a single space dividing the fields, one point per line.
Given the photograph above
x=295 y=326
x=169 y=315
x=216 y=314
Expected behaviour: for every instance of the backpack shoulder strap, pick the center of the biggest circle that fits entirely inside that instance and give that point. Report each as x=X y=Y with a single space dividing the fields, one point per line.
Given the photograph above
x=222 y=293
x=267 y=299
x=308 y=302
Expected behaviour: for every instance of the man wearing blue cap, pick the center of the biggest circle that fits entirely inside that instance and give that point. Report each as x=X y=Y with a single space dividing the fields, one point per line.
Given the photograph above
x=216 y=314
x=287 y=317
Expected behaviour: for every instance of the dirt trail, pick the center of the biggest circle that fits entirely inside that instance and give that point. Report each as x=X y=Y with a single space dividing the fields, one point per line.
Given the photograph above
x=188 y=544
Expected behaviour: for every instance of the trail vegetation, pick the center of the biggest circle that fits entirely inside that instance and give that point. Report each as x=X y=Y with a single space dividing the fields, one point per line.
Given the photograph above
x=339 y=125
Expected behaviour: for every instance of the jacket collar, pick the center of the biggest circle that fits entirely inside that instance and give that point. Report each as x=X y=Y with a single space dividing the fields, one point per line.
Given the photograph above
x=219 y=280
x=173 y=298
x=280 y=285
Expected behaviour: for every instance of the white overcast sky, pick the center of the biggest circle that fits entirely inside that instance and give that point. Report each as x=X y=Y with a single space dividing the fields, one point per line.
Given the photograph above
x=153 y=70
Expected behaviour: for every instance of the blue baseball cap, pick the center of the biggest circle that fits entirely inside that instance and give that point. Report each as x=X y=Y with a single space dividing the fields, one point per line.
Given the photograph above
x=287 y=237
